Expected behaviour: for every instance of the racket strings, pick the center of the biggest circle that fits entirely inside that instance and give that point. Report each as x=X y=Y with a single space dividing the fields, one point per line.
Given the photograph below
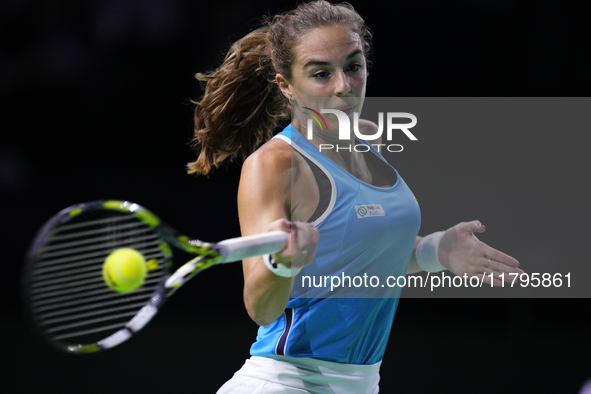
x=70 y=278
x=69 y=298
x=107 y=227
x=94 y=243
x=89 y=259
x=100 y=306
x=75 y=299
x=65 y=290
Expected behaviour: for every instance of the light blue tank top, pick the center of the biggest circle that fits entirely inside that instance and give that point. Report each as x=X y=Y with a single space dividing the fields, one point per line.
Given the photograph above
x=364 y=230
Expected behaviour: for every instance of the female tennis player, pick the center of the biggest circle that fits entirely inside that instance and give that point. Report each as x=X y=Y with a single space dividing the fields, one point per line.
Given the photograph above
x=317 y=344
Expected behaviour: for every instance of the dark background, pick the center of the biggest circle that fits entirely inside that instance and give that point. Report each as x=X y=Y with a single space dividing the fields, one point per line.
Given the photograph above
x=95 y=103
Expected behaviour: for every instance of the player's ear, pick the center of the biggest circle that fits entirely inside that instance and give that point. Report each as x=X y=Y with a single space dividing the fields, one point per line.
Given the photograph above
x=284 y=85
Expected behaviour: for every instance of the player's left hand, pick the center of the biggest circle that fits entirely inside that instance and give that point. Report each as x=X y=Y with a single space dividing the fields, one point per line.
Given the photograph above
x=462 y=253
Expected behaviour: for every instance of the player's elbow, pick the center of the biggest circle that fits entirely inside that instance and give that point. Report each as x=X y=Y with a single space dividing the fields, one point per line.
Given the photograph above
x=261 y=320
x=261 y=316
x=262 y=313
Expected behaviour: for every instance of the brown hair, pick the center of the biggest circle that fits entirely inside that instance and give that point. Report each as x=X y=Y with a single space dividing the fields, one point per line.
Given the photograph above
x=242 y=104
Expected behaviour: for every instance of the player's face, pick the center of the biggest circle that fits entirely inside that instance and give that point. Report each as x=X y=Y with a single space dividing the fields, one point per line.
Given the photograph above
x=330 y=68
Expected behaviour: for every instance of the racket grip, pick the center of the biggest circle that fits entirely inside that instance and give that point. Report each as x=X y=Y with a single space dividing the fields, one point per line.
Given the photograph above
x=235 y=249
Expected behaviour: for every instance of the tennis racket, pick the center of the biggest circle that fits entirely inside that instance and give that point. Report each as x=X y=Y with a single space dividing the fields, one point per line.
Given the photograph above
x=63 y=286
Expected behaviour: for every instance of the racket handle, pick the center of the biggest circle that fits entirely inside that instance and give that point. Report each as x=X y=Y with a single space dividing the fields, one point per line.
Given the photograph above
x=235 y=249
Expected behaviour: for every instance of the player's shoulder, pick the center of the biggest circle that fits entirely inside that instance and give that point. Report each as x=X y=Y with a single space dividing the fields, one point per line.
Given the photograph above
x=272 y=157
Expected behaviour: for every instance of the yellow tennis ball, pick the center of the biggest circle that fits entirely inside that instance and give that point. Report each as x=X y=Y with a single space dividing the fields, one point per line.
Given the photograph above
x=124 y=270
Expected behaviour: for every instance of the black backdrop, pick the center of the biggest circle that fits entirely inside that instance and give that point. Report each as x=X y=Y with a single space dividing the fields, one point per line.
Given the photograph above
x=95 y=103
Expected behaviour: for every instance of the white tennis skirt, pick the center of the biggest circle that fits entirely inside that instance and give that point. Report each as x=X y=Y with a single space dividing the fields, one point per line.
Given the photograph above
x=281 y=374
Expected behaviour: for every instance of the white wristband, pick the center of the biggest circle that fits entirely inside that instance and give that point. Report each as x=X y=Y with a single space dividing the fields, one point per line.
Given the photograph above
x=279 y=269
x=427 y=252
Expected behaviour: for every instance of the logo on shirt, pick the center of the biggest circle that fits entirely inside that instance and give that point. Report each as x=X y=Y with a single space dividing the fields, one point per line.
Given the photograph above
x=369 y=210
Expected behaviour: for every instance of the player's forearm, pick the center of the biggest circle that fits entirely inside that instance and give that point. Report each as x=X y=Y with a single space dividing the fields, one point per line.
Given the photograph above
x=265 y=294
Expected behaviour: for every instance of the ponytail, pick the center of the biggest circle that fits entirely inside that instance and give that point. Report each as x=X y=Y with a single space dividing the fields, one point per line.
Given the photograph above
x=241 y=106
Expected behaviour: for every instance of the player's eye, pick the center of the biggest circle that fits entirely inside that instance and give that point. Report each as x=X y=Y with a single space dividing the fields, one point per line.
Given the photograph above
x=355 y=67
x=321 y=75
